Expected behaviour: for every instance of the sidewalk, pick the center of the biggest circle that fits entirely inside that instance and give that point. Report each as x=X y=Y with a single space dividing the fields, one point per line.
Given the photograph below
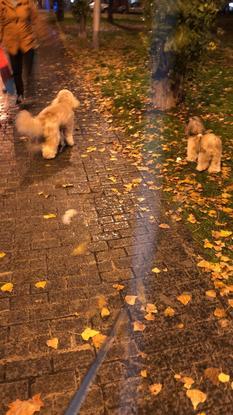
x=120 y=224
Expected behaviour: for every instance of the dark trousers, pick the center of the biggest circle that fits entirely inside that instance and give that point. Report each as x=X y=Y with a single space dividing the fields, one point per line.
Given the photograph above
x=19 y=62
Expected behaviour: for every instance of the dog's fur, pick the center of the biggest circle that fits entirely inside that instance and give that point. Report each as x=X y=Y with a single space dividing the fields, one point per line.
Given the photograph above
x=57 y=116
x=203 y=146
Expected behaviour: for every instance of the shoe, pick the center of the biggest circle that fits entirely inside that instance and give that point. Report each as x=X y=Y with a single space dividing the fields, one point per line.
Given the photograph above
x=19 y=99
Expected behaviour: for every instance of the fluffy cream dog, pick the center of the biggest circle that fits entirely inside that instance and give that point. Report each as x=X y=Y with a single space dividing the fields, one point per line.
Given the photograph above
x=205 y=147
x=59 y=115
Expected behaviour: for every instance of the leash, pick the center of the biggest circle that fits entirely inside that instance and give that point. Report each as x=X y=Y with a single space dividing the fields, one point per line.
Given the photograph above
x=80 y=395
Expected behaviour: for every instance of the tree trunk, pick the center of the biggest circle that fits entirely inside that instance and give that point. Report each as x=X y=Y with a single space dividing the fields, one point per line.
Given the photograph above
x=60 y=10
x=83 y=27
x=163 y=96
x=96 y=24
x=110 y=11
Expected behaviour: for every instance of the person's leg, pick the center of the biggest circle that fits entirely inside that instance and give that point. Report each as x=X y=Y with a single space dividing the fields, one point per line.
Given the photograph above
x=28 y=60
x=17 y=65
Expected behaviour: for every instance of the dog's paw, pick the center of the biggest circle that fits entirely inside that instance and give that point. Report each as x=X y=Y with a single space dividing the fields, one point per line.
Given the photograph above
x=200 y=168
x=48 y=153
x=213 y=170
x=70 y=141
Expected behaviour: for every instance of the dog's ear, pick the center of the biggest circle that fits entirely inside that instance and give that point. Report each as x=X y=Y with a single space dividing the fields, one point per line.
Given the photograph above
x=76 y=102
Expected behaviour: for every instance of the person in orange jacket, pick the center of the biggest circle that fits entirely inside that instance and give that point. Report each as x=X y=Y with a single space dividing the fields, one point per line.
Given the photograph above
x=17 y=20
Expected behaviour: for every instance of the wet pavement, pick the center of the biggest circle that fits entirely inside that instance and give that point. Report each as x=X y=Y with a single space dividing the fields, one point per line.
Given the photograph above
x=120 y=227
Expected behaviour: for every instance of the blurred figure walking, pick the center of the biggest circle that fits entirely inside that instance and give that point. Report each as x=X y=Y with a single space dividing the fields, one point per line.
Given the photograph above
x=17 y=21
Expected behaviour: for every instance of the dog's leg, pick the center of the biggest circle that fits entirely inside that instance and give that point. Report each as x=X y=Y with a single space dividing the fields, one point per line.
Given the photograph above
x=192 y=149
x=203 y=160
x=68 y=132
x=52 y=140
x=215 y=165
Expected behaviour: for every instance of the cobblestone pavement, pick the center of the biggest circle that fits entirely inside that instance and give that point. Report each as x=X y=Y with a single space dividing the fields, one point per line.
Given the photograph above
x=124 y=244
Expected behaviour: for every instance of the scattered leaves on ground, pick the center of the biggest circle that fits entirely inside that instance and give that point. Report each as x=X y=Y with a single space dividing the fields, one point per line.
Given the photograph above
x=80 y=249
x=118 y=287
x=49 y=216
x=222 y=377
x=219 y=312
x=210 y=293
x=98 y=340
x=28 y=407
x=164 y=226
x=151 y=308
x=105 y=312
x=156 y=270
x=53 y=343
x=184 y=298
x=88 y=333
x=2 y=255
x=155 y=389
x=169 y=312
x=196 y=396
x=138 y=326
x=40 y=284
x=130 y=299
x=8 y=287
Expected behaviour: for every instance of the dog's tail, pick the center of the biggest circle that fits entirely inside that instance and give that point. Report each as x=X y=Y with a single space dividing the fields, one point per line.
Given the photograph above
x=28 y=125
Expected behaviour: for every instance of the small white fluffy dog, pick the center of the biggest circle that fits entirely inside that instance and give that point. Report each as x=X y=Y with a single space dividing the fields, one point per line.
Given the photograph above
x=57 y=116
x=205 y=147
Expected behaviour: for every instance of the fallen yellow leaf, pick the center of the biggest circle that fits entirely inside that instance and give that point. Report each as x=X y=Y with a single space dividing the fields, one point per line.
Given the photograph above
x=150 y=317
x=230 y=302
x=25 y=407
x=212 y=213
x=187 y=381
x=196 y=396
x=2 y=254
x=169 y=312
x=105 y=312
x=49 y=216
x=138 y=326
x=221 y=234
x=184 y=298
x=90 y=149
x=191 y=218
x=67 y=185
x=80 y=249
x=151 y=308
x=164 y=226
x=219 y=312
x=40 y=284
x=53 y=343
x=8 y=287
x=130 y=299
x=113 y=179
x=156 y=270
x=210 y=293
x=143 y=373
x=118 y=287
x=208 y=244
x=98 y=340
x=155 y=389
x=88 y=333
x=222 y=377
